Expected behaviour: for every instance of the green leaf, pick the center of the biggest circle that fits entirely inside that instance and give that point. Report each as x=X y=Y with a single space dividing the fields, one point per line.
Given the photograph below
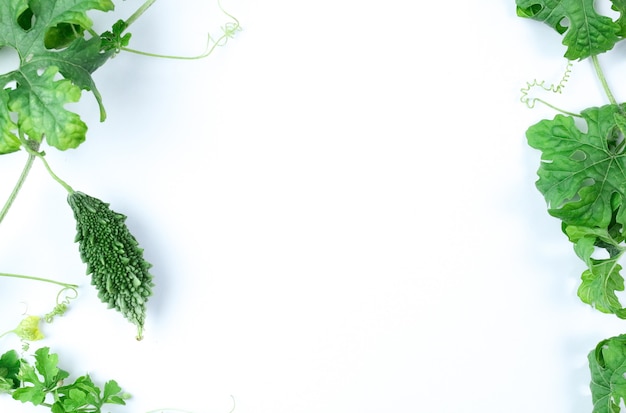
x=111 y=388
x=28 y=329
x=587 y=239
x=8 y=140
x=48 y=37
x=39 y=104
x=84 y=393
x=607 y=363
x=35 y=393
x=599 y=284
x=587 y=33
x=602 y=278
x=9 y=370
x=620 y=6
x=582 y=174
x=113 y=40
x=57 y=408
x=46 y=365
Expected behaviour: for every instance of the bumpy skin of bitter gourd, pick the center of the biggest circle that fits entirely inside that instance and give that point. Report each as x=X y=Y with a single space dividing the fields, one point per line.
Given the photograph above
x=113 y=258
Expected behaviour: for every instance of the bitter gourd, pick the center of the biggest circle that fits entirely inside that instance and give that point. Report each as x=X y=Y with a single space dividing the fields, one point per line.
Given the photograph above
x=113 y=257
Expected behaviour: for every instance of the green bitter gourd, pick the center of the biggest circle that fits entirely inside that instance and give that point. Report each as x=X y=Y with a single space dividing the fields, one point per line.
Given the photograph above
x=113 y=257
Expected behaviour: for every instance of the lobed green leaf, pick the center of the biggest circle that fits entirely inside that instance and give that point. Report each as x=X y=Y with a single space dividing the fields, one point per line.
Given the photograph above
x=39 y=105
x=607 y=363
x=586 y=32
x=582 y=174
x=599 y=284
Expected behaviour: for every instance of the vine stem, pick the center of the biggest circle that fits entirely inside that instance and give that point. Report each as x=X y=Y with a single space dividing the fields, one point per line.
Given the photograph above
x=229 y=30
x=17 y=187
x=30 y=277
x=54 y=176
x=139 y=12
x=605 y=85
x=41 y=156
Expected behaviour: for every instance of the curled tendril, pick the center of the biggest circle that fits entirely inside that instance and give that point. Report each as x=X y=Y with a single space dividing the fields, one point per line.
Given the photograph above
x=64 y=296
x=228 y=32
x=530 y=102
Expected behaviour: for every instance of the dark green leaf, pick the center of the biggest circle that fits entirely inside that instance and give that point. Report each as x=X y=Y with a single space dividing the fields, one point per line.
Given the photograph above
x=9 y=370
x=587 y=33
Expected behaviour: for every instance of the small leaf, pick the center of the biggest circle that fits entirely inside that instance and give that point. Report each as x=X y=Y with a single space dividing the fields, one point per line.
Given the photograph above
x=28 y=329
x=35 y=393
x=599 y=284
x=111 y=388
x=46 y=365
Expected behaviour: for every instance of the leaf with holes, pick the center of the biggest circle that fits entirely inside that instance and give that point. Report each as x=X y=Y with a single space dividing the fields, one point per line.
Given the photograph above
x=48 y=37
x=583 y=174
x=587 y=33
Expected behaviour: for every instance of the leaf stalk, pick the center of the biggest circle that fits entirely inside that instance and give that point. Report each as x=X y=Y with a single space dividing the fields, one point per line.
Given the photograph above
x=602 y=78
x=18 y=186
x=141 y=10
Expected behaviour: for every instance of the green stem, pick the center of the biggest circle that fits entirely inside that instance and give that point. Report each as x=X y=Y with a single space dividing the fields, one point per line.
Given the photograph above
x=139 y=12
x=605 y=85
x=54 y=176
x=131 y=19
x=18 y=186
x=565 y=112
x=29 y=277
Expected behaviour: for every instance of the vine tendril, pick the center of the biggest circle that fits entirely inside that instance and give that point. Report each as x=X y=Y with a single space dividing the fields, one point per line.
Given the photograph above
x=62 y=303
x=530 y=102
x=228 y=32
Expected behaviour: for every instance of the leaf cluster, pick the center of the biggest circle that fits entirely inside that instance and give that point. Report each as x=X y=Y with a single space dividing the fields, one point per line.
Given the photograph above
x=56 y=61
x=42 y=383
x=582 y=176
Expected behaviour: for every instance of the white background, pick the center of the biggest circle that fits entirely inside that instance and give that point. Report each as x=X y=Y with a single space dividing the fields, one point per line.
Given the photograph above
x=340 y=209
